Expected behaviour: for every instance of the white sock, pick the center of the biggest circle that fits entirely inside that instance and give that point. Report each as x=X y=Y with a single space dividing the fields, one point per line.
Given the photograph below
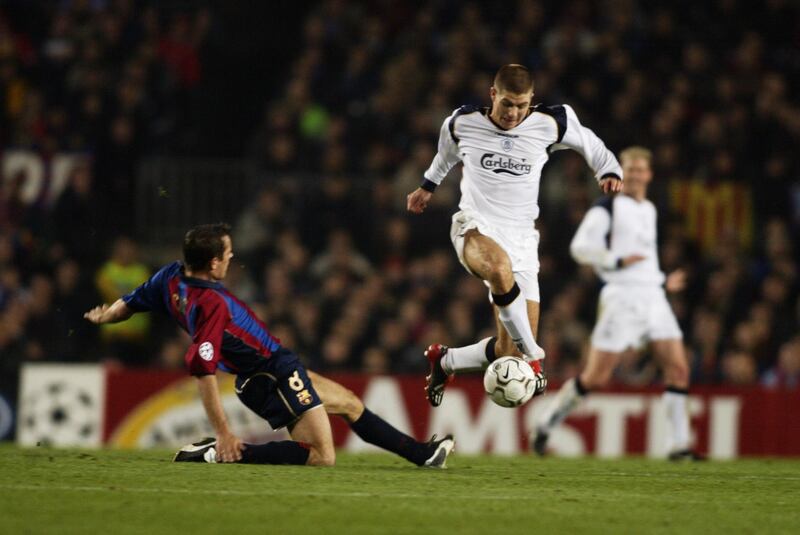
x=677 y=405
x=514 y=316
x=466 y=359
x=566 y=399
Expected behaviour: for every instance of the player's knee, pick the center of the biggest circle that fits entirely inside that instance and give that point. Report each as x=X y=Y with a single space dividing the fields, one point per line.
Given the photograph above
x=500 y=274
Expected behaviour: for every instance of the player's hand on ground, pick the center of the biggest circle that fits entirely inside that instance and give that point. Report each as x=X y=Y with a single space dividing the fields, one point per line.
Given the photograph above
x=229 y=448
x=632 y=259
x=417 y=200
x=611 y=185
x=676 y=281
x=95 y=315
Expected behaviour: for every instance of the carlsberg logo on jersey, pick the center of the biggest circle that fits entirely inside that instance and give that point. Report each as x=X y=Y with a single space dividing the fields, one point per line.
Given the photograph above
x=497 y=163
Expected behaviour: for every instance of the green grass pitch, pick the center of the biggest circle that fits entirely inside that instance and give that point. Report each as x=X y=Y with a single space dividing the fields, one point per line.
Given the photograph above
x=115 y=492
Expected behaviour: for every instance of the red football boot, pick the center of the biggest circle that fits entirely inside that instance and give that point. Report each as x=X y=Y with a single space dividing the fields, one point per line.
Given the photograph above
x=437 y=378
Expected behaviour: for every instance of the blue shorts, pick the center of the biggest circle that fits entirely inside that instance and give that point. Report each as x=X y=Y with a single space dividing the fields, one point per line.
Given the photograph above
x=280 y=391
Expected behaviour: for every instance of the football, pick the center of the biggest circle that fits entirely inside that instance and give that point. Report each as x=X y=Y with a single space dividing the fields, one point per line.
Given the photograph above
x=509 y=381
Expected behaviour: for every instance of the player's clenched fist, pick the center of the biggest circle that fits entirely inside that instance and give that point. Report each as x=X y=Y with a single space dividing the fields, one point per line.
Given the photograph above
x=417 y=200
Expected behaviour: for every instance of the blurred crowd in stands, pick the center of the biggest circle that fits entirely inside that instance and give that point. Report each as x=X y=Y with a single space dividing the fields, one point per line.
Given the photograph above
x=333 y=263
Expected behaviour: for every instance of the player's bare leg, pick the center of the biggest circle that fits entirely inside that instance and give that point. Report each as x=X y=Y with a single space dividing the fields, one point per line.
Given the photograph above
x=517 y=320
x=596 y=374
x=489 y=261
x=371 y=428
x=671 y=356
x=314 y=428
x=337 y=399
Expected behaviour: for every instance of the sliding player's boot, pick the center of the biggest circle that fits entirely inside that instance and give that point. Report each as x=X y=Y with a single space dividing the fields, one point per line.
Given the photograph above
x=440 y=450
x=685 y=455
x=199 y=452
x=540 y=442
x=437 y=378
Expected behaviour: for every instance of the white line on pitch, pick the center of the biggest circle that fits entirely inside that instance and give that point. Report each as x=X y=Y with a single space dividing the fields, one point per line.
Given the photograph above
x=228 y=492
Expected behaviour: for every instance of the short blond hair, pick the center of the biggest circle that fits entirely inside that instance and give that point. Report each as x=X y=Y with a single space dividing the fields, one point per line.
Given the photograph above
x=636 y=152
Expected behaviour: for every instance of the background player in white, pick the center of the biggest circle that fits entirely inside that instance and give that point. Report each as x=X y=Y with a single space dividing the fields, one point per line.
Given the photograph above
x=503 y=150
x=618 y=238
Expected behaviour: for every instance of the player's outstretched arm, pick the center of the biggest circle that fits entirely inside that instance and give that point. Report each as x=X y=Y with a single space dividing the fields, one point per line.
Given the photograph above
x=229 y=447
x=446 y=157
x=115 y=313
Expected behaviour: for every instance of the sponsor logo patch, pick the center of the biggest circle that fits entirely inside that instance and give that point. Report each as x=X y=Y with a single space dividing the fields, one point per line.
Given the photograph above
x=499 y=164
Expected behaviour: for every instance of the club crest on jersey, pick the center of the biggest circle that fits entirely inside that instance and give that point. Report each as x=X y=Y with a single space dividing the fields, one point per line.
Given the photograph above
x=499 y=164
x=304 y=397
x=507 y=144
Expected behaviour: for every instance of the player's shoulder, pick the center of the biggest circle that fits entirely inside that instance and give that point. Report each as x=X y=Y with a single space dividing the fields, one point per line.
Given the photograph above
x=552 y=109
x=172 y=267
x=558 y=113
x=168 y=271
x=463 y=113
x=467 y=109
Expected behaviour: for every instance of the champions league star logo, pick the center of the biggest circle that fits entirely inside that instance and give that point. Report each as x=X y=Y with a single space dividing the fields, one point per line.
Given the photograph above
x=507 y=144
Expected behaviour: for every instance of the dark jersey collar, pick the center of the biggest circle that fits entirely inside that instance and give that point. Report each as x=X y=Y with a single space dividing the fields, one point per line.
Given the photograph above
x=487 y=112
x=201 y=283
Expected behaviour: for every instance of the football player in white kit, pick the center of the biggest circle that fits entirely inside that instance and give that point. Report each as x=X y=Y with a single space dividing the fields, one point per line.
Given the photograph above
x=503 y=150
x=618 y=238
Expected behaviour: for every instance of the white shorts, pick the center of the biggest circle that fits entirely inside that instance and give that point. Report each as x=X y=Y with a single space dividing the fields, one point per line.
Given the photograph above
x=630 y=316
x=521 y=244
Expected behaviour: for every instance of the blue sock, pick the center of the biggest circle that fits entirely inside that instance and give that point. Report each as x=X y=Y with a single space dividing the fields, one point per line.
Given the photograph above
x=375 y=430
x=278 y=452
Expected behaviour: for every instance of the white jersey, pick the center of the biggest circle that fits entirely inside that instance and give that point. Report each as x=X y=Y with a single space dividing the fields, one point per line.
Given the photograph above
x=502 y=168
x=614 y=228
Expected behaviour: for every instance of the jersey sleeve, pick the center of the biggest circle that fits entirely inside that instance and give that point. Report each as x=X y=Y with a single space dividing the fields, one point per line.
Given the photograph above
x=150 y=295
x=209 y=320
x=589 y=245
x=581 y=139
x=447 y=155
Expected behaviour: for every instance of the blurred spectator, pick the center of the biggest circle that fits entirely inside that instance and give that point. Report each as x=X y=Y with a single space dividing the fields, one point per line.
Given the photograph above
x=340 y=256
x=255 y=231
x=786 y=373
x=79 y=217
x=739 y=368
x=72 y=336
x=119 y=275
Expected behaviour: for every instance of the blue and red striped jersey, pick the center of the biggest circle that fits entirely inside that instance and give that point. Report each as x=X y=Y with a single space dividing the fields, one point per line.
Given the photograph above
x=225 y=333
